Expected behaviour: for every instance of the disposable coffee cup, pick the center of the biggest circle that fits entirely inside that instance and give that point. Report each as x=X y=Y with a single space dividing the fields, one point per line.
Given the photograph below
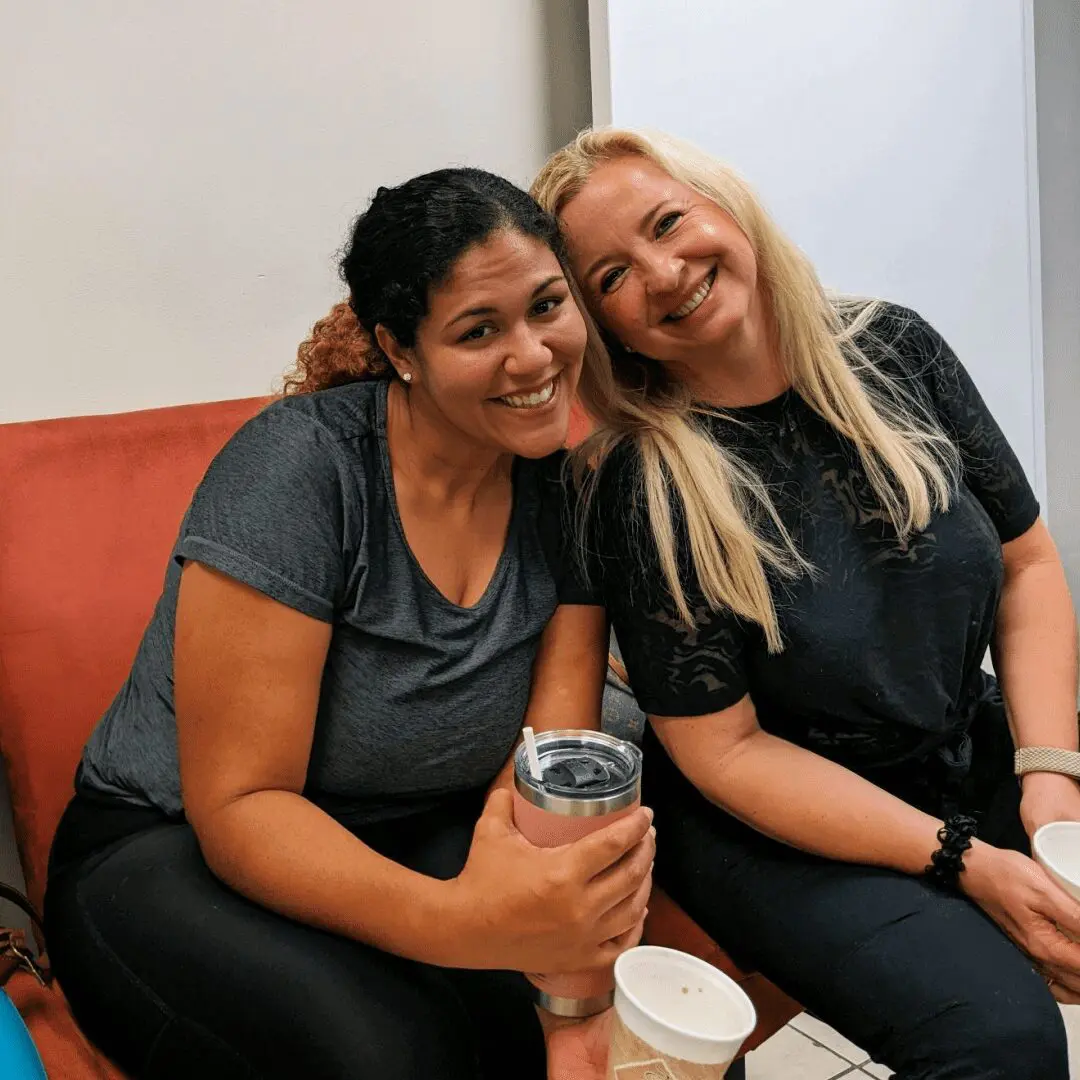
x=676 y=1017
x=586 y=780
x=1057 y=850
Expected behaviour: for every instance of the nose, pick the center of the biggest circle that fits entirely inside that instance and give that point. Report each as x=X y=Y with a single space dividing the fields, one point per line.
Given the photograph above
x=528 y=355
x=663 y=271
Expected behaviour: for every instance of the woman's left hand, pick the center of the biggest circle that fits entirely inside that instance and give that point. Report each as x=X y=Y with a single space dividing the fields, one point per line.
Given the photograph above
x=1048 y=797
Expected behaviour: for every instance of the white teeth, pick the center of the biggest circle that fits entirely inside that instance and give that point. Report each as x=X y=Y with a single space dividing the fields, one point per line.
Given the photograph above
x=530 y=401
x=695 y=301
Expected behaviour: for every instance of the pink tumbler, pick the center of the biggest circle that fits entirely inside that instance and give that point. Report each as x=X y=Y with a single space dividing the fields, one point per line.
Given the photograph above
x=587 y=780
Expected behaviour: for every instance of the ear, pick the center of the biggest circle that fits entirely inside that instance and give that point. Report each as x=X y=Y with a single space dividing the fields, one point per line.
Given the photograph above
x=402 y=359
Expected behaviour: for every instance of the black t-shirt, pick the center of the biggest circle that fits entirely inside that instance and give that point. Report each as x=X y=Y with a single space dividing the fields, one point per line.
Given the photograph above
x=884 y=643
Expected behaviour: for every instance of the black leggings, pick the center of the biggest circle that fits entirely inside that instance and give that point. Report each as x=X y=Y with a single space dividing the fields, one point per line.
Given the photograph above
x=176 y=976
x=920 y=979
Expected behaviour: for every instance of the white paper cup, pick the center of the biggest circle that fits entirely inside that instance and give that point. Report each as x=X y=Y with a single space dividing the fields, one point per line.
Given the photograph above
x=1057 y=850
x=676 y=1017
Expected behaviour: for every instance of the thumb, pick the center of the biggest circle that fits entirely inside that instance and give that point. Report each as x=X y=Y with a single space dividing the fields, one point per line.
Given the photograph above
x=1064 y=912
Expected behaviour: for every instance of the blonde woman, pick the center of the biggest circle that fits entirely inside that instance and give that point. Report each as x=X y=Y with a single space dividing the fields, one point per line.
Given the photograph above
x=808 y=529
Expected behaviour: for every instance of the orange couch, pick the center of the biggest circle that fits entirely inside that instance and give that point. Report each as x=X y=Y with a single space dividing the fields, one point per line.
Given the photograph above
x=89 y=510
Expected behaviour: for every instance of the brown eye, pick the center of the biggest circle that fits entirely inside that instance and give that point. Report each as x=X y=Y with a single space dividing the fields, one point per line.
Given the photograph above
x=477 y=333
x=547 y=305
x=609 y=280
x=666 y=222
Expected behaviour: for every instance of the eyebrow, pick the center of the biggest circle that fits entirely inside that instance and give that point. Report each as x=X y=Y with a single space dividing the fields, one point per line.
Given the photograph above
x=473 y=312
x=642 y=226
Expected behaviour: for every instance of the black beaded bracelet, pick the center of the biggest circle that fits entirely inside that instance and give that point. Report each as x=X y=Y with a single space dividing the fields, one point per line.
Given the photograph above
x=947 y=863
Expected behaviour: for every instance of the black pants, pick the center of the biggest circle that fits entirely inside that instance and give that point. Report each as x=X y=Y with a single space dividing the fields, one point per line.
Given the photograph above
x=920 y=979
x=176 y=976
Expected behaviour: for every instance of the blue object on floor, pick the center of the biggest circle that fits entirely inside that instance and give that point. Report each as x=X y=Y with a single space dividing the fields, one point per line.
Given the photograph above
x=18 y=1056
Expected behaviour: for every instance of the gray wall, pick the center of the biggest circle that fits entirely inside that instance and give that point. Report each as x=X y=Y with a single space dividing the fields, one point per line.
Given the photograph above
x=1057 y=75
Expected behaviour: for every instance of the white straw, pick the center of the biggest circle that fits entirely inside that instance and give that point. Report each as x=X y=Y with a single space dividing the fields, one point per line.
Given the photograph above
x=533 y=756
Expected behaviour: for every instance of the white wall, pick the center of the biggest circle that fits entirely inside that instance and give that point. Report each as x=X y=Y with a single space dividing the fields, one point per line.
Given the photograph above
x=1057 y=68
x=177 y=176
x=893 y=140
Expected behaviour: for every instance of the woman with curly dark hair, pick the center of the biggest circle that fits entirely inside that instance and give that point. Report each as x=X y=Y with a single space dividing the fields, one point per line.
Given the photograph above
x=281 y=860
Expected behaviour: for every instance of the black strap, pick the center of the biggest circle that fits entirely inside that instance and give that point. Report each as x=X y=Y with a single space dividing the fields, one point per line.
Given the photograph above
x=21 y=901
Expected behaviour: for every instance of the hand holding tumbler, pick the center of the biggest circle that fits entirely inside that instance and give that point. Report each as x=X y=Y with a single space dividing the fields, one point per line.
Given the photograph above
x=578 y=782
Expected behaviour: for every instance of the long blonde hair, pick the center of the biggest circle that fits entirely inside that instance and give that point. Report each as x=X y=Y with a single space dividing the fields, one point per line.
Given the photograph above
x=911 y=464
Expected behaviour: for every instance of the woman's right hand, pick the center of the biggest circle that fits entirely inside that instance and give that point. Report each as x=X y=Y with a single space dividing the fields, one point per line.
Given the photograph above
x=1032 y=909
x=546 y=910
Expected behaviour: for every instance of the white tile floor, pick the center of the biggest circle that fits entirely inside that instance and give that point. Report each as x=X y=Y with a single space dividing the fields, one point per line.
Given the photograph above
x=810 y=1050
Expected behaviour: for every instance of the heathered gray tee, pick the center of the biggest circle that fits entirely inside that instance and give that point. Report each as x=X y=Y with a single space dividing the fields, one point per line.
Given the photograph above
x=420 y=698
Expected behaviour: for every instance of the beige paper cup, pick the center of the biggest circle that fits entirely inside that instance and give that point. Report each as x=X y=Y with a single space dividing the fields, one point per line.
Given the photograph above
x=676 y=1017
x=1057 y=850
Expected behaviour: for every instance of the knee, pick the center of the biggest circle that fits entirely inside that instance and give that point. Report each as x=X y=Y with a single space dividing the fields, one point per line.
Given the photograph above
x=1025 y=1040
x=1013 y=1036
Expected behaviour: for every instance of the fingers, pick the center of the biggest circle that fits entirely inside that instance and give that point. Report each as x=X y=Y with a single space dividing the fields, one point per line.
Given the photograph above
x=611 y=950
x=605 y=847
x=1060 y=953
x=623 y=879
x=632 y=936
x=1063 y=994
x=628 y=913
x=1060 y=976
x=1062 y=909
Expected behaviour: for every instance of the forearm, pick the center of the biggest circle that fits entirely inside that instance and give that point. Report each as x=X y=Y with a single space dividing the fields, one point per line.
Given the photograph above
x=1035 y=656
x=539 y=721
x=568 y=677
x=281 y=851
x=811 y=803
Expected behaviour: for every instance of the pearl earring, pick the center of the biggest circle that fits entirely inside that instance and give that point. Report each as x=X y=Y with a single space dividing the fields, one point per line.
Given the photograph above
x=407 y=377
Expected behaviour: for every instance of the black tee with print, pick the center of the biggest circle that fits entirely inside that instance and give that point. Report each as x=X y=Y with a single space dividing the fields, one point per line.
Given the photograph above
x=884 y=642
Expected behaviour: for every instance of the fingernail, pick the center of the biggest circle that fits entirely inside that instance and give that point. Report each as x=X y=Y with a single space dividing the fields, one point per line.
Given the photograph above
x=652 y=832
x=648 y=813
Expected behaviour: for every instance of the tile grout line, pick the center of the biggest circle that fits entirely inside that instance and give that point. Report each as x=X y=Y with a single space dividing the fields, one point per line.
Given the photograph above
x=853 y=1071
x=837 y=1053
x=867 y=1060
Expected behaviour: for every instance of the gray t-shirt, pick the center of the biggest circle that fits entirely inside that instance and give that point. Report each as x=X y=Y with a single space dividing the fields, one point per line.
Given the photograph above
x=420 y=698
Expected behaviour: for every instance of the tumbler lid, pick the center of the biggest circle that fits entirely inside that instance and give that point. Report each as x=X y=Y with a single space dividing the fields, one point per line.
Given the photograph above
x=583 y=773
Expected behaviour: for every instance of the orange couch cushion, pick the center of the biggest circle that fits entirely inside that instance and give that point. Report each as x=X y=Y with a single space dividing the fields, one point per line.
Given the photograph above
x=89 y=510
x=65 y=1051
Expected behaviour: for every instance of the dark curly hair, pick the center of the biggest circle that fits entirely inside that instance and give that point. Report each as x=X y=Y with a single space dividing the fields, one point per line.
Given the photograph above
x=405 y=244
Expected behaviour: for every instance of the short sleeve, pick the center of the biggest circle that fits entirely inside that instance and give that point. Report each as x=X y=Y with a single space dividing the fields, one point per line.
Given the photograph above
x=569 y=556
x=991 y=470
x=271 y=512
x=673 y=669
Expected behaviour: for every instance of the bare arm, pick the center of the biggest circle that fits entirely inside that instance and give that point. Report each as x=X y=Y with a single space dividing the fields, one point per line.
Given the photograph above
x=795 y=795
x=568 y=675
x=1035 y=657
x=1035 y=643
x=248 y=672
